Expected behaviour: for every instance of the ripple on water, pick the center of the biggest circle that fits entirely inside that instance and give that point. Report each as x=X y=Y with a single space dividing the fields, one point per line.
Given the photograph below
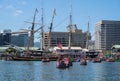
x=38 y=71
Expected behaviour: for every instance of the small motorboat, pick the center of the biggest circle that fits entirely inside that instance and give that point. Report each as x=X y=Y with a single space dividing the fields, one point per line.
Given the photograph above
x=110 y=60
x=97 y=60
x=45 y=60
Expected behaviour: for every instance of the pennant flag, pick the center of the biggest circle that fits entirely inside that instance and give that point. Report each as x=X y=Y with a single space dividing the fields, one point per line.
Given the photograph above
x=36 y=10
x=54 y=11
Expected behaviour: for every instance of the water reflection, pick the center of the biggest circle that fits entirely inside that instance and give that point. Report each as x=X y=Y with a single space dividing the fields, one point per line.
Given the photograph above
x=38 y=71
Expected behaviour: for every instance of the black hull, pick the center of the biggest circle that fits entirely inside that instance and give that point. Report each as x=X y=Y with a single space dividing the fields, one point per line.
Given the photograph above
x=33 y=59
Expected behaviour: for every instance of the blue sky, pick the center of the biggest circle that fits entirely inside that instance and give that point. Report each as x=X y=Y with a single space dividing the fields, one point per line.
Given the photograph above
x=13 y=13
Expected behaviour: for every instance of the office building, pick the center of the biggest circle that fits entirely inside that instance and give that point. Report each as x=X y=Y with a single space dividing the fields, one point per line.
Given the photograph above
x=5 y=37
x=19 y=39
x=107 y=34
x=78 y=38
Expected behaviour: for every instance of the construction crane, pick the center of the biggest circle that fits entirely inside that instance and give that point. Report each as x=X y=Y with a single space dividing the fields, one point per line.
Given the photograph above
x=50 y=29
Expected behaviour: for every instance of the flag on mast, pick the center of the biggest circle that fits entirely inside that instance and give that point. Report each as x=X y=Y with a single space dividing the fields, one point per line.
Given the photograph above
x=54 y=11
x=60 y=45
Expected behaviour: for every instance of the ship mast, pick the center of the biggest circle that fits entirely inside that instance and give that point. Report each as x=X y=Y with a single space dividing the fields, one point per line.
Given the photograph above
x=51 y=25
x=87 y=39
x=31 y=39
x=70 y=28
x=42 y=31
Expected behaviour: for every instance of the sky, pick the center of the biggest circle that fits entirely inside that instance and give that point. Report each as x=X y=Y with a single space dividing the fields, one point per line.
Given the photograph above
x=14 y=14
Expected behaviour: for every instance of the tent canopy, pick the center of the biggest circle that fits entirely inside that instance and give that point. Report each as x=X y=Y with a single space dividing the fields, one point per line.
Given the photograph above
x=115 y=47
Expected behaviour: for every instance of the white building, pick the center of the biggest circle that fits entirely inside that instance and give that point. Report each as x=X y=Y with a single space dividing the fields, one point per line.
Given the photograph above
x=66 y=50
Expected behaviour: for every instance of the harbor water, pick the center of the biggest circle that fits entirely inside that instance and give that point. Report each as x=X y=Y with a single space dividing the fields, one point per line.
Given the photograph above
x=39 y=71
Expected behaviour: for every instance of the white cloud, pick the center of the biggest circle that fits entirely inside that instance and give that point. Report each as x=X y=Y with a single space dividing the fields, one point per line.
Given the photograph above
x=21 y=2
x=10 y=7
x=18 y=12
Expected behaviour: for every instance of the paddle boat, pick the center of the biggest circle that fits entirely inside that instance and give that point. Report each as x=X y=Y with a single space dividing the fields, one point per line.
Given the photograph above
x=83 y=61
x=63 y=63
